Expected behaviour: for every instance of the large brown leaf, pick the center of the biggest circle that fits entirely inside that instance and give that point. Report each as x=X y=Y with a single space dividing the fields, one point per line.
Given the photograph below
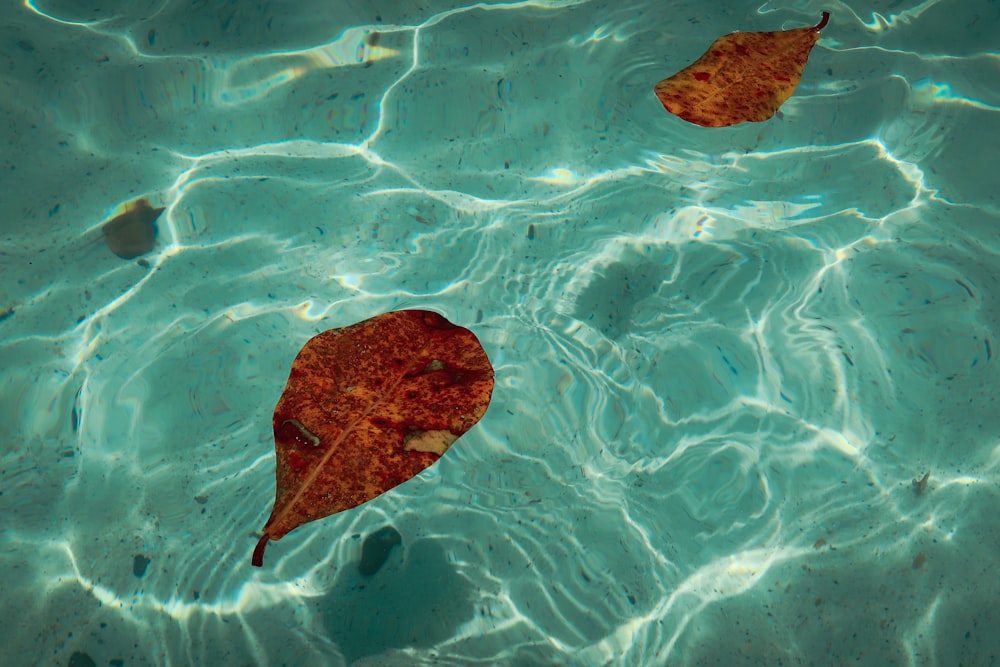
x=742 y=77
x=366 y=408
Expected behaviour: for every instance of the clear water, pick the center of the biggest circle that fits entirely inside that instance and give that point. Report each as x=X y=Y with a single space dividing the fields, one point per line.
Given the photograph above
x=722 y=356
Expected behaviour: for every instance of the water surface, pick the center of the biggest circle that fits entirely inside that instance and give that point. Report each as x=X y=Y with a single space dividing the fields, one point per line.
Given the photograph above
x=723 y=357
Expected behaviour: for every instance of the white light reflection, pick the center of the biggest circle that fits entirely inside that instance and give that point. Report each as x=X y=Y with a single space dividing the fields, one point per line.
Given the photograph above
x=258 y=76
x=927 y=93
x=884 y=23
x=250 y=596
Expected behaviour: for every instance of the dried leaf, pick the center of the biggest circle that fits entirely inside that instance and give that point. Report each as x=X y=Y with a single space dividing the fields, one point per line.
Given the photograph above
x=743 y=77
x=366 y=408
x=132 y=232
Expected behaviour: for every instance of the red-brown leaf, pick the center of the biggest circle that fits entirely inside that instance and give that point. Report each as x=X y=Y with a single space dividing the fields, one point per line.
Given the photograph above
x=366 y=408
x=743 y=77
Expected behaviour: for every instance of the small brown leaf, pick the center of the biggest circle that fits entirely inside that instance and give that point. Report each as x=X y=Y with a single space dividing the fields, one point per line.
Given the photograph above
x=743 y=77
x=366 y=408
x=132 y=232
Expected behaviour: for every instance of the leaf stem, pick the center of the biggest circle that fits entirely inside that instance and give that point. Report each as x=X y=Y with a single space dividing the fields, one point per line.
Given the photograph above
x=258 y=552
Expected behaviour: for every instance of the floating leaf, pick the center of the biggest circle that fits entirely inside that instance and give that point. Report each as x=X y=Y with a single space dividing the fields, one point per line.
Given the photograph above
x=743 y=77
x=132 y=232
x=366 y=408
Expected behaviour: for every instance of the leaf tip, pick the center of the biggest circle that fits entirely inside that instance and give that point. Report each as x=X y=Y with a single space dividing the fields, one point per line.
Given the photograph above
x=258 y=552
x=822 y=22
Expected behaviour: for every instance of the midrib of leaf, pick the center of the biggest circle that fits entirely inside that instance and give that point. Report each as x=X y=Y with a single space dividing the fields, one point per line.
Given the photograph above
x=311 y=477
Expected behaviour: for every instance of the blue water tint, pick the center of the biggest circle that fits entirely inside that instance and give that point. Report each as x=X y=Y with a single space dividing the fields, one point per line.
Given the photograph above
x=725 y=359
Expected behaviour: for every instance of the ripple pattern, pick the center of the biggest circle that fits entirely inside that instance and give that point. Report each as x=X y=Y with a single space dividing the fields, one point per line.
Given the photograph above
x=725 y=360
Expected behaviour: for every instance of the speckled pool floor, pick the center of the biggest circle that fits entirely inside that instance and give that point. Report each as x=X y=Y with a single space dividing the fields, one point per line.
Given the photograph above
x=725 y=359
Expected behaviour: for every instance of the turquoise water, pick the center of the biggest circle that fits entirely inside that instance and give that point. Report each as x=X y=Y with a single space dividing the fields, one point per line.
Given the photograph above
x=724 y=358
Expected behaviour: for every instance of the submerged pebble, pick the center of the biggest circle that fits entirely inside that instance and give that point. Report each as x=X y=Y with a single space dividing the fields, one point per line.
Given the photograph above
x=79 y=659
x=375 y=549
x=139 y=565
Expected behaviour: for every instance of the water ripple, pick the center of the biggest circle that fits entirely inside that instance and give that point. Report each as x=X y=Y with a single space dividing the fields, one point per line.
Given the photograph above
x=725 y=360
